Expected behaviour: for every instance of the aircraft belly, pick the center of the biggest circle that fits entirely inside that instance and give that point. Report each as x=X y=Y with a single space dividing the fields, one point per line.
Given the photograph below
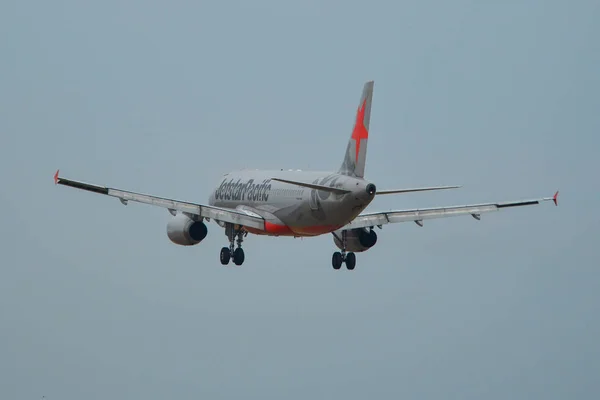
x=290 y=220
x=304 y=221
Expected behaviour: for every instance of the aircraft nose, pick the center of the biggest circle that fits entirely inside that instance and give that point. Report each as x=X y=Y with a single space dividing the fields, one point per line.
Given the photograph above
x=371 y=189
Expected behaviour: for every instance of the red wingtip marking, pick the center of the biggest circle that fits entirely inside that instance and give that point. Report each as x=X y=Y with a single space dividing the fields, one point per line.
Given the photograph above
x=56 y=177
x=555 y=198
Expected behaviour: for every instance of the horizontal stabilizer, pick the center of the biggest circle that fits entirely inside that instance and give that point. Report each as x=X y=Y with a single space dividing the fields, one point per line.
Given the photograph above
x=423 y=189
x=313 y=186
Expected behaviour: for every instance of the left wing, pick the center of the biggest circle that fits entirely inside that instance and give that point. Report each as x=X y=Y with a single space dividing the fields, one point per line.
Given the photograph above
x=418 y=215
x=217 y=213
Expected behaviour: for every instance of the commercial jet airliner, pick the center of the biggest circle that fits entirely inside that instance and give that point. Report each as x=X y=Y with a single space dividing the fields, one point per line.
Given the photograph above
x=298 y=203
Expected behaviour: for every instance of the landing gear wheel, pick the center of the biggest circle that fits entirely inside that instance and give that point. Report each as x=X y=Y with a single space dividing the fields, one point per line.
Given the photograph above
x=350 y=261
x=238 y=256
x=225 y=255
x=336 y=260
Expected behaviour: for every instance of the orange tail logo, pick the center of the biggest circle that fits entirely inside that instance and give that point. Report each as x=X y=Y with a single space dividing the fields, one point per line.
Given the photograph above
x=360 y=131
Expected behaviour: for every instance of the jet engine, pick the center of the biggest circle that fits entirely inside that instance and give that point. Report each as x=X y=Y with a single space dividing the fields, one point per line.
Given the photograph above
x=357 y=240
x=184 y=231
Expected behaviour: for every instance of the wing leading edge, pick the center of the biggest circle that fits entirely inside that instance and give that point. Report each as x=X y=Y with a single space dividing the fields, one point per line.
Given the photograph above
x=216 y=213
x=418 y=215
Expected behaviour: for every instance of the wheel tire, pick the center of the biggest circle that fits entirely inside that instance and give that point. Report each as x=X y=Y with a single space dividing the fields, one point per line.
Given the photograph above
x=350 y=261
x=238 y=256
x=336 y=260
x=225 y=255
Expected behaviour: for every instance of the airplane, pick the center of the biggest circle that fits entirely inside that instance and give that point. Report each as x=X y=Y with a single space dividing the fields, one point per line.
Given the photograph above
x=296 y=203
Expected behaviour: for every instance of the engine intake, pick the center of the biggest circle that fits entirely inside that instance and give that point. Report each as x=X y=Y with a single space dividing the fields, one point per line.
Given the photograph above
x=184 y=231
x=357 y=240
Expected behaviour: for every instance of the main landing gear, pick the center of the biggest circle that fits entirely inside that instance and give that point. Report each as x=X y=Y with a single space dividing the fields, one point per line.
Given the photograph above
x=342 y=257
x=227 y=253
x=339 y=258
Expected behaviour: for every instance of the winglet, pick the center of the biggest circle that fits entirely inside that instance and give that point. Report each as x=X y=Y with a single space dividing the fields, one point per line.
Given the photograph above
x=56 y=177
x=555 y=198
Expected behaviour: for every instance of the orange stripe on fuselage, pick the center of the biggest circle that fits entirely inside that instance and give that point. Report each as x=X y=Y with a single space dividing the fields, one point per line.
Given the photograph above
x=272 y=229
x=276 y=229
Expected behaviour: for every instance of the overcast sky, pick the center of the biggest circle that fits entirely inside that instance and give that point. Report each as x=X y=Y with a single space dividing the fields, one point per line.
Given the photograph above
x=165 y=97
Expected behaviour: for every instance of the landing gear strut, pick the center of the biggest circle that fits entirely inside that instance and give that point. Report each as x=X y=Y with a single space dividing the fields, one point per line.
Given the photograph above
x=234 y=236
x=339 y=258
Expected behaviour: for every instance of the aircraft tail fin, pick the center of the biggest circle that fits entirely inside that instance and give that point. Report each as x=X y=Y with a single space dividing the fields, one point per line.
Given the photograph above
x=356 y=150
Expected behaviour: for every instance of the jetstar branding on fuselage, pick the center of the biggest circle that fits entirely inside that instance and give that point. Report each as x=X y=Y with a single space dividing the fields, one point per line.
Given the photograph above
x=238 y=190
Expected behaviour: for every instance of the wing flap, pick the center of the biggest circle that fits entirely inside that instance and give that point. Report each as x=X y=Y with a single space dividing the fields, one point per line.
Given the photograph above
x=216 y=213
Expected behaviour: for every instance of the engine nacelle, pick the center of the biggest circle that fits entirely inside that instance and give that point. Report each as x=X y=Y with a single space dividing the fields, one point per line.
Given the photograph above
x=357 y=240
x=184 y=231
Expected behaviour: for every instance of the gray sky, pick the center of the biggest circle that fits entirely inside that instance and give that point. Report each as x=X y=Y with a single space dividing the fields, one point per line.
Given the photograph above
x=164 y=97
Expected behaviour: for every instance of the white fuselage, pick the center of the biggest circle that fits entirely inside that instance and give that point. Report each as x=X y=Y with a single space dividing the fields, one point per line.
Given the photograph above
x=290 y=209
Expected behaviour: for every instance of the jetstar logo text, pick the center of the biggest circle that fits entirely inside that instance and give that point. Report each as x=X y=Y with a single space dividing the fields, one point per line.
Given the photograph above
x=230 y=190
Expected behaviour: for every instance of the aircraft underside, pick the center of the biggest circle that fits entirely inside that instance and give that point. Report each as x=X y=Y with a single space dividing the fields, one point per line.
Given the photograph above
x=357 y=239
x=187 y=230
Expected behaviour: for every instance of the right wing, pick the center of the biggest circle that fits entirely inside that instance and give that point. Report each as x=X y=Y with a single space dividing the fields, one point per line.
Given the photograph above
x=217 y=213
x=418 y=215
